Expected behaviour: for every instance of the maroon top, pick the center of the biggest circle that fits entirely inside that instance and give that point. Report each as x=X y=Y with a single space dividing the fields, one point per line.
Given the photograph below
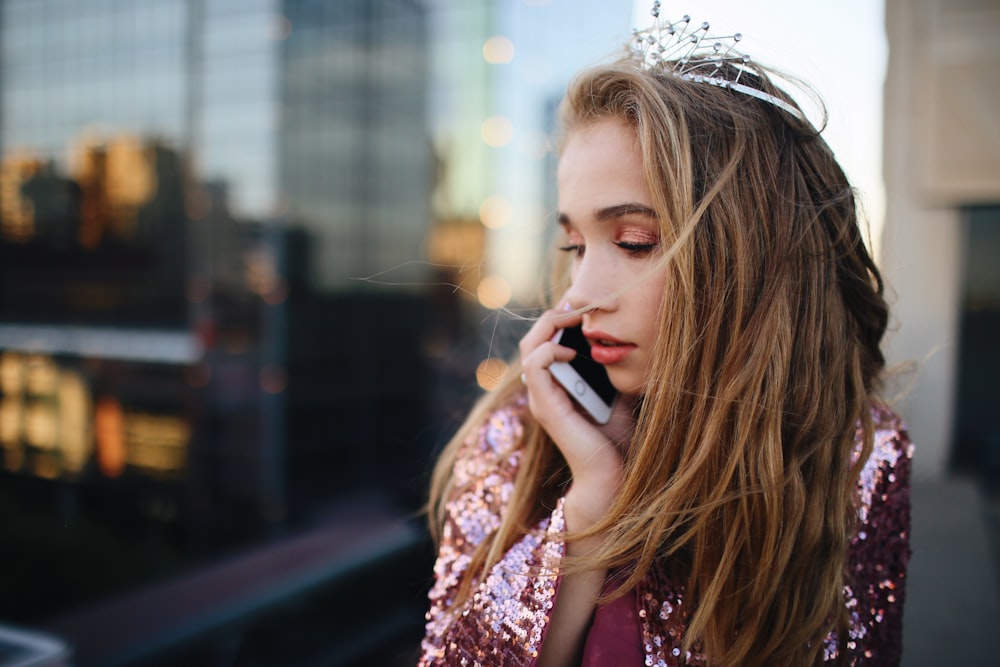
x=615 y=637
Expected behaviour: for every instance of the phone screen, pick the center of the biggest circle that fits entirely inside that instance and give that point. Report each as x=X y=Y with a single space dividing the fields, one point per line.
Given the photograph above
x=592 y=372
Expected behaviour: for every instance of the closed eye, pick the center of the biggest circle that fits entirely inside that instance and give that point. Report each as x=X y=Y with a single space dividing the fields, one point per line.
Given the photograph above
x=576 y=248
x=637 y=248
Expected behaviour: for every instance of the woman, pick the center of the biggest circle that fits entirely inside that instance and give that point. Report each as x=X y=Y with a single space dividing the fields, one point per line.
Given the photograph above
x=747 y=503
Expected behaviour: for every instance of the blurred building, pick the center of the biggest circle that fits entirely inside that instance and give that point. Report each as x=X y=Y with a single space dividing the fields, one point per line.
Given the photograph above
x=192 y=194
x=942 y=244
x=253 y=261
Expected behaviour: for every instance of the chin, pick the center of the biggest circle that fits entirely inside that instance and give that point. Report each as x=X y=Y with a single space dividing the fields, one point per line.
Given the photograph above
x=626 y=384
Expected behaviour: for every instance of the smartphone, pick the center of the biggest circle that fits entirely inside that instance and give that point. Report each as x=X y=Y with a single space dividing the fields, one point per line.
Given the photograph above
x=583 y=378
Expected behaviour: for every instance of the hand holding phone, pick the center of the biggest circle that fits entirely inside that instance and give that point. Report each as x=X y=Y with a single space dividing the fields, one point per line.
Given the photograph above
x=583 y=378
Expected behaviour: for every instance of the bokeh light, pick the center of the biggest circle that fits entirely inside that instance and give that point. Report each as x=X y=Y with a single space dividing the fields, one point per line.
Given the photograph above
x=494 y=292
x=109 y=436
x=498 y=50
x=490 y=373
x=497 y=131
x=495 y=212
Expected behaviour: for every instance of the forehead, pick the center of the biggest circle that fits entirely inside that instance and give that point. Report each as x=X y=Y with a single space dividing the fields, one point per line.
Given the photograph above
x=608 y=135
x=601 y=163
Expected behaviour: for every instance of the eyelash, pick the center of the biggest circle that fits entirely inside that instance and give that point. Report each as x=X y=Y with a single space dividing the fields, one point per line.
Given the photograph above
x=637 y=248
x=633 y=249
x=577 y=249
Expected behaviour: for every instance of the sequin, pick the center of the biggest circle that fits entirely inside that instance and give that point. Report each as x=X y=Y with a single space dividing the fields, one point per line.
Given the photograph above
x=504 y=621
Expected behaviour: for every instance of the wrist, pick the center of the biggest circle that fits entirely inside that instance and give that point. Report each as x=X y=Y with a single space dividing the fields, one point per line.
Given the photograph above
x=582 y=509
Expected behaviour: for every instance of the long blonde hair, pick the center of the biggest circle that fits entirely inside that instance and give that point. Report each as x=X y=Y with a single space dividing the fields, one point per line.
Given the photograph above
x=739 y=479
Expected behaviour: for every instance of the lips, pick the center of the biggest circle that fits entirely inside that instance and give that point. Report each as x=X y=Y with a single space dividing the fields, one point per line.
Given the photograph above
x=606 y=349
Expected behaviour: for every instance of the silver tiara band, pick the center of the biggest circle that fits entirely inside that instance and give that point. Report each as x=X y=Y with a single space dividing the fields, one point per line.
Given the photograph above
x=692 y=54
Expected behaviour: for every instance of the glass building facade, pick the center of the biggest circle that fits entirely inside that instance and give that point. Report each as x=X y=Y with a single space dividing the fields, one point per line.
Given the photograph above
x=192 y=362
x=248 y=287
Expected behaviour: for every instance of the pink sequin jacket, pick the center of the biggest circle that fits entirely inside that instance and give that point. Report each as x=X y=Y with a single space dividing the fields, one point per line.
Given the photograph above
x=504 y=621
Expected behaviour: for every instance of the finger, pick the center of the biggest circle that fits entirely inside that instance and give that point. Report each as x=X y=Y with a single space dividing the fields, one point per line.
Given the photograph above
x=545 y=394
x=545 y=327
x=537 y=361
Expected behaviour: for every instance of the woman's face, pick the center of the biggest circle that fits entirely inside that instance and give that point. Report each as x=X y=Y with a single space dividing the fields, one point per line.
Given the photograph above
x=606 y=213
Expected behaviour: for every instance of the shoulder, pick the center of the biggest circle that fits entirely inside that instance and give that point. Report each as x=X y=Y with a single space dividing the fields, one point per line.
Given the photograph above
x=888 y=465
x=504 y=427
x=483 y=473
x=494 y=441
x=891 y=439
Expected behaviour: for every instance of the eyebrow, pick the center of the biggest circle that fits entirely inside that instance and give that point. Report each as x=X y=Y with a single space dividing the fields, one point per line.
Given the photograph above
x=616 y=211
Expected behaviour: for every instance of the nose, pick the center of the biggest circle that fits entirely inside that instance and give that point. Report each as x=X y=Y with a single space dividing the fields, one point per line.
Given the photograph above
x=592 y=285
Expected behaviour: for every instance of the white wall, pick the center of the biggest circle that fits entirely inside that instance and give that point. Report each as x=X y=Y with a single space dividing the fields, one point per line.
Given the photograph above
x=942 y=151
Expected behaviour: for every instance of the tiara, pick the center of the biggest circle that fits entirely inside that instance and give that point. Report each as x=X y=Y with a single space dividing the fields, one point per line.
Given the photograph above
x=691 y=53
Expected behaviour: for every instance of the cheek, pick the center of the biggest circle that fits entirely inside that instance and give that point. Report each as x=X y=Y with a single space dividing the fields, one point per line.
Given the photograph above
x=652 y=292
x=652 y=304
